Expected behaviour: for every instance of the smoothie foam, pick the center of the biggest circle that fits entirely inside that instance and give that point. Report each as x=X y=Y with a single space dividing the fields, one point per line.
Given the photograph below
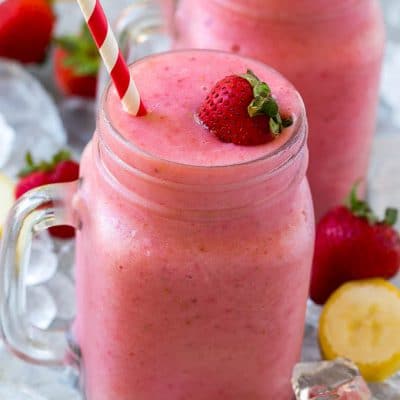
x=173 y=95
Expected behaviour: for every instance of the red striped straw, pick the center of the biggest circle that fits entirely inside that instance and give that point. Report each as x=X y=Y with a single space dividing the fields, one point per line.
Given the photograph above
x=112 y=57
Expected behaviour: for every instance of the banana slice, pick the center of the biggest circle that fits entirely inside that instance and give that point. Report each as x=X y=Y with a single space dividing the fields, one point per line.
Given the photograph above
x=361 y=322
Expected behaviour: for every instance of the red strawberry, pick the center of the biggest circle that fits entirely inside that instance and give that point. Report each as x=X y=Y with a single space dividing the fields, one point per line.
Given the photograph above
x=60 y=169
x=352 y=244
x=25 y=29
x=76 y=64
x=65 y=171
x=241 y=110
x=35 y=179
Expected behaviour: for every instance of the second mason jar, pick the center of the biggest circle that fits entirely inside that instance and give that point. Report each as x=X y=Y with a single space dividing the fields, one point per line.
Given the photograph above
x=331 y=51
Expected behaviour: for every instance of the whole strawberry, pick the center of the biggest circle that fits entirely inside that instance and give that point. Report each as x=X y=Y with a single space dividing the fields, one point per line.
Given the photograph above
x=60 y=169
x=25 y=29
x=240 y=109
x=76 y=64
x=352 y=244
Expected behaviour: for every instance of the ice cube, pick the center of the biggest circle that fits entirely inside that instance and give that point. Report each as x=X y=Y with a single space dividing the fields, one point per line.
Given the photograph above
x=41 y=307
x=43 y=260
x=31 y=113
x=63 y=292
x=329 y=380
x=66 y=257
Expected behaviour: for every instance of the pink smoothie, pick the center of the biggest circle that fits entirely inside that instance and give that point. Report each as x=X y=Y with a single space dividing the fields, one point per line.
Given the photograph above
x=194 y=255
x=331 y=51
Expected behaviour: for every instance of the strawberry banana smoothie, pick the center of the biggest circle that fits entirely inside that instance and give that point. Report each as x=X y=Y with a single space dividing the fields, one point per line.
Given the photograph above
x=330 y=50
x=194 y=255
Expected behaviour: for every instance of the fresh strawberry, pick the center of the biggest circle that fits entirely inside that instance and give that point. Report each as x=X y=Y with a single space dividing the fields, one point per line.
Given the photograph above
x=60 y=169
x=25 y=29
x=240 y=109
x=351 y=244
x=76 y=64
x=35 y=179
x=65 y=171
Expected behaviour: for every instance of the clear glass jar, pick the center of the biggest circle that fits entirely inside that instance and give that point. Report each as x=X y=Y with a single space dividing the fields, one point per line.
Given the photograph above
x=191 y=280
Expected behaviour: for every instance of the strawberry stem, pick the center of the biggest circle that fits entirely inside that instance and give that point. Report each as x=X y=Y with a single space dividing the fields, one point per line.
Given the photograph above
x=391 y=215
x=362 y=209
x=264 y=104
x=82 y=54
x=45 y=166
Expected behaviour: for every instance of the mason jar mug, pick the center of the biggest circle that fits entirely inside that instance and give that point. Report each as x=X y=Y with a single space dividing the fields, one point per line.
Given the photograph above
x=192 y=280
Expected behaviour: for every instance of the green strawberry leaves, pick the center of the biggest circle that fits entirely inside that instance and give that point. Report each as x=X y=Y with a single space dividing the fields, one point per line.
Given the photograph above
x=391 y=215
x=264 y=104
x=45 y=166
x=82 y=54
x=361 y=209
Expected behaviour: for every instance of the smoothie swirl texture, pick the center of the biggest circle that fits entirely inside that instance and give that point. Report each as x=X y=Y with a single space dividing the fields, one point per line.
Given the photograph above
x=173 y=87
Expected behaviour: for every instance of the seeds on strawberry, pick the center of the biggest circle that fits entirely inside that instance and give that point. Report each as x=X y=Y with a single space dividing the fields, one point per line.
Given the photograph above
x=241 y=110
x=352 y=243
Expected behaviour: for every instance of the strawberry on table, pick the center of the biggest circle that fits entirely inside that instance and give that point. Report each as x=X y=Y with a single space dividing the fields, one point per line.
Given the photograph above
x=60 y=169
x=240 y=109
x=76 y=64
x=34 y=179
x=352 y=244
x=25 y=29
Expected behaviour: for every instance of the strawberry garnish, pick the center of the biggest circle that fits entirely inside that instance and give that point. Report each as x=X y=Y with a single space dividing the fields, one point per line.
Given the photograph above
x=59 y=169
x=240 y=109
x=25 y=29
x=351 y=244
x=76 y=64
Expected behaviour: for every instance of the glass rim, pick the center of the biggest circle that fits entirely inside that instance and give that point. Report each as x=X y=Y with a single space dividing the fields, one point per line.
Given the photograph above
x=299 y=130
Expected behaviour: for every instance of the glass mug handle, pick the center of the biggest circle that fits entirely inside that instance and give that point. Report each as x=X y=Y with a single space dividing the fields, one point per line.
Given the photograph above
x=38 y=209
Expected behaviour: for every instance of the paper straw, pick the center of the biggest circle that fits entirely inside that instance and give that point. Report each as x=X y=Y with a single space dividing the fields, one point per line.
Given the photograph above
x=112 y=57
